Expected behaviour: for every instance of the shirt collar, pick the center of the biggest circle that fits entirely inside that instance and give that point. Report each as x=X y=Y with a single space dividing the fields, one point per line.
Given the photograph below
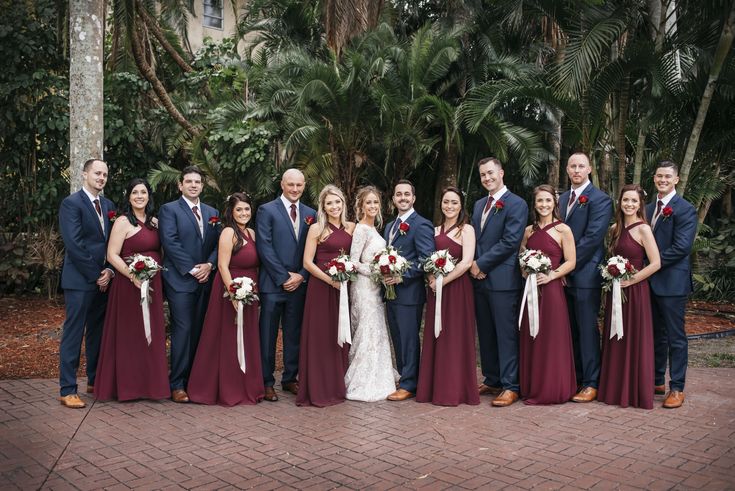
x=578 y=191
x=91 y=196
x=191 y=204
x=406 y=215
x=665 y=200
x=288 y=204
x=500 y=193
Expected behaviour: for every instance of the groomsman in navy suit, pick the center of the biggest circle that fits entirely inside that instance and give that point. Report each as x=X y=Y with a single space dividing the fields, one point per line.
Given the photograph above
x=85 y=228
x=674 y=222
x=587 y=211
x=500 y=219
x=282 y=225
x=189 y=240
x=413 y=236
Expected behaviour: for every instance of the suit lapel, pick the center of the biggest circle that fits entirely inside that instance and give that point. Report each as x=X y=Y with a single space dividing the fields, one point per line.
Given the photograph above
x=192 y=219
x=575 y=205
x=302 y=225
x=563 y=202
x=284 y=216
x=493 y=211
x=91 y=211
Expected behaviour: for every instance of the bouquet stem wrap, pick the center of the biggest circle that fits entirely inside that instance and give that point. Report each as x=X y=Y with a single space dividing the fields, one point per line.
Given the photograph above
x=145 y=308
x=616 y=317
x=438 y=308
x=343 y=327
x=240 y=337
x=530 y=297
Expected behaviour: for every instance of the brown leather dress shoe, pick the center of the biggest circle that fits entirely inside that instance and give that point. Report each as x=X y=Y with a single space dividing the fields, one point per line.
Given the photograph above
x=72 y=400
x=659 y=390
x=487 y=389
x=588 y=394
x=179 y=395
x=674 y=399
x=401 y=395
x=270 y=394
x=90 y=389
x=292 y=387
x=505 y=399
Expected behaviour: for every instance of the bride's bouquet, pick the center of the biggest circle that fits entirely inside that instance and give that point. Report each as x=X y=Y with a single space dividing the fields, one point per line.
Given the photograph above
x=532 y=263
x=616 y=269
x=242 y=290
x=144 y=268
x=388 y=264
x=439 y=263
x=342 y=270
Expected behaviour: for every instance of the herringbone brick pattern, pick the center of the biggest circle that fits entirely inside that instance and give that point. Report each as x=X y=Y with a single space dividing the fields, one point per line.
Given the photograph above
x=156 y=445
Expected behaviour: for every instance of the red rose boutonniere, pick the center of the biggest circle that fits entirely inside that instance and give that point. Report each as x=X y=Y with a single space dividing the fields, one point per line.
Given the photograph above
x=309 y=220
x=667 y=212
x=499 y=205
x=403 y=228
x=583 y=200
x=213 y=221
x=112 y=216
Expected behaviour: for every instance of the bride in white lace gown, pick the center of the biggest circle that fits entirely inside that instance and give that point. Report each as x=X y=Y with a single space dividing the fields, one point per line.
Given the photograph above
x=370 y=376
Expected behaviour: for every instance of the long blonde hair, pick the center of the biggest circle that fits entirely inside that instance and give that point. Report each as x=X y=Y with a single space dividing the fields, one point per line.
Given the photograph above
x=362 y=195
x=321 y=215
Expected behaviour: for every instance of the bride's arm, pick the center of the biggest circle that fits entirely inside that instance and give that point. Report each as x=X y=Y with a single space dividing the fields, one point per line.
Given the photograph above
x=359 y=241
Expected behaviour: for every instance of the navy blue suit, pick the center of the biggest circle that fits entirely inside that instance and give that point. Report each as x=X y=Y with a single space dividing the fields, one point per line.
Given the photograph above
x=405 y=312
x=280 y=252
x=670 y=288
x=589 y=223
x=184 y=247
x=85 y=246
x=497 y=296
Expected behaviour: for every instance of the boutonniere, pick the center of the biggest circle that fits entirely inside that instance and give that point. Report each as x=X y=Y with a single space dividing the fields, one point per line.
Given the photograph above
x=213 y=221
x=667 y=212
x=583 y=200
x=309 y=219
x=403 y=228
x=112 y=216
x=499 y=205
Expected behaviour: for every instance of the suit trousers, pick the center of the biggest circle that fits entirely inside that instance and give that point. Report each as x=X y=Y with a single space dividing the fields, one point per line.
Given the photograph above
x=84 y=309
x=187 y=311
x=404 y=322
x=583 y=305
x=287 y=310
x=497 y=331
x=670 y=339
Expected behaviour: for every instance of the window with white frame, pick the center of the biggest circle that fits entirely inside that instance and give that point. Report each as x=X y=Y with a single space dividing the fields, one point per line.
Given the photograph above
x=213 y=14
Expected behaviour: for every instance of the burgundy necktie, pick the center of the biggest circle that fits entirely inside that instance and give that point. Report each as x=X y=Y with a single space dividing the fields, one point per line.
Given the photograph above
x=293 y=212
x=196 y=213
x=489 y=204
x=659 y=205
x=572 y=199
x=99 y=210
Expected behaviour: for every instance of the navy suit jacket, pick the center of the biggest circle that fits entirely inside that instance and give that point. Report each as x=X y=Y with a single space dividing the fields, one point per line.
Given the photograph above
x=498 y=243
x=279 y=250
x=589 y=224
x=415 y=245
x=674 y=238
x=183 y=246
x=85 y=244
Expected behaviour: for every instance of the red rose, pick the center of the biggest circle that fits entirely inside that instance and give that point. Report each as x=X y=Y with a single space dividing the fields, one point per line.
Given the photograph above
x=403 y=228
x=377 y=258
x=613 y=270
x=441 y=262
x=667 y=211
x=392 y=259
x=583 y=200
x=499 y=205
x=111 y=215
x=309 y=220
x=385 y=269
x=629 y=267
x=340 y=266
x=139 y=266
x=233 y=287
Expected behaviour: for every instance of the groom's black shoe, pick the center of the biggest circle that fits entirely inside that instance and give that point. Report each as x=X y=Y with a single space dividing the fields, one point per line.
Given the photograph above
x=487 y=389
x=401 y=395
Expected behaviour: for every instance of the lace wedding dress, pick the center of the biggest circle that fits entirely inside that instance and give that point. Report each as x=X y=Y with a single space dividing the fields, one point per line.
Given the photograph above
x=370 y=376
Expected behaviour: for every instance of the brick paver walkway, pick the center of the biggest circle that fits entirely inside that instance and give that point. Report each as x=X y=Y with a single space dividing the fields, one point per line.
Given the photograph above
x=356 y=445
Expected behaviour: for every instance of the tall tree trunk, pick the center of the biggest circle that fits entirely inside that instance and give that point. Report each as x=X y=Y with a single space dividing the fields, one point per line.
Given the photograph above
x=727 y=202
x=555 y=144
x=161 y=37
x=723 y=49
x=448 y=169
x=345 y=19
x=640 y=152
x=86 y=98
x=620 y=140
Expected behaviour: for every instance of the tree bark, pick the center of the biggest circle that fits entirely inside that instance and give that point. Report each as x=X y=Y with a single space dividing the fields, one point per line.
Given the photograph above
x=161 y=37
x=620 y=141
x=86 y=98
x=640 y=151
x=727 y=202
x=723 y=49
x=448 y=168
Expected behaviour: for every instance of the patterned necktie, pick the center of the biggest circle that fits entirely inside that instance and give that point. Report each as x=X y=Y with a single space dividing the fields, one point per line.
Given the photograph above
x=489 y=204
x=99 y=210
x=195 y=209
x=293 y=212
x=572 y=199
x=659 y=205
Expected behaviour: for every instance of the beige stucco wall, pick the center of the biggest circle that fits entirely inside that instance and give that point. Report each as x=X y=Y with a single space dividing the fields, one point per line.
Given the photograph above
x=197 y=31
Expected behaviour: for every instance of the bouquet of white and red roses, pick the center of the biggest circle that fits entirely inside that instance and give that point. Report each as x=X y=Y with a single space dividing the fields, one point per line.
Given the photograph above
x=532 y=263
x=388 y=263
x=342 y=270
x=439 y=263
x=144 y=268
x=615 y=270
x=242 y=290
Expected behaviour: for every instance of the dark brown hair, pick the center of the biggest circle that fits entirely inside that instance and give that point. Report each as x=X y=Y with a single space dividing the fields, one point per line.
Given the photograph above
x=555 y=212
x=192 y=169
x=669 y=164
x=617 y=231
x=405 y=181
x=489 y=159
x=462 y=218
x=232 y=201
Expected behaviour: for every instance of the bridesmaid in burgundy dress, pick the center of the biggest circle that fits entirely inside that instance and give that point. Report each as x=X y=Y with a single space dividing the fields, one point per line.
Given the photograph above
x=547 y=361
x=130 y=368
x=448 y=370
x=627 y=369
x=216 y=377
x=322 y=363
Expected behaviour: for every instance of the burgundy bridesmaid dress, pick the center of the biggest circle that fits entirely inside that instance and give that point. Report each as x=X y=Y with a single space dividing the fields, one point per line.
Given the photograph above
x=322 y=363
x=216 y=377
x=547 y=362
x=448 y=370
x=626 y=372
x=129 y=368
